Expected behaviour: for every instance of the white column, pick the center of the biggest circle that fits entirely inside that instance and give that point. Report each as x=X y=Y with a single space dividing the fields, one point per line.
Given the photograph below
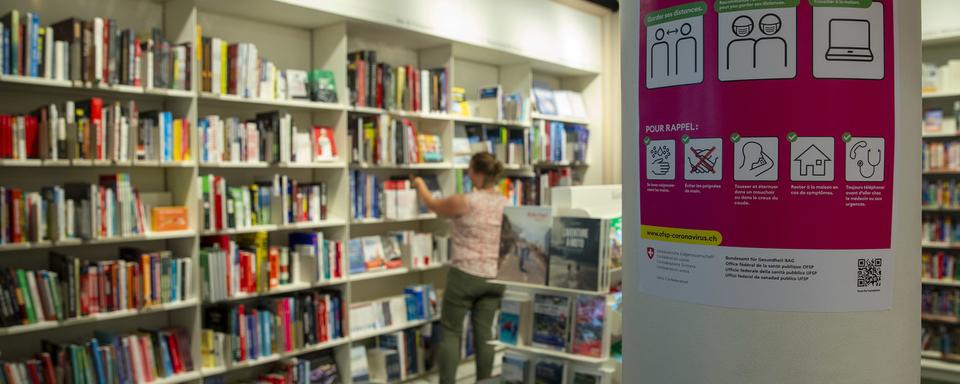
x=668 y=341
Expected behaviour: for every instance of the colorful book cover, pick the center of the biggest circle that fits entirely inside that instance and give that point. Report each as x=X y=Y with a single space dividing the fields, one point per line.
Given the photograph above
x=549 y=372
x=509 y=322
x=515 y=368
x=357 y=263
x=551 y=321
x=525 y=244
x=588 y=328
x=575 y=253
x=616 y=242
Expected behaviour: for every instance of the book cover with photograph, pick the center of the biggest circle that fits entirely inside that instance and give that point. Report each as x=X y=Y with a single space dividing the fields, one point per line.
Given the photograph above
x=575 y=257
x=525 y=244
x=515 y=368
x=590 y=315
x=587 y=375
x=616 y=242
x=549 y=371
x=551 y=321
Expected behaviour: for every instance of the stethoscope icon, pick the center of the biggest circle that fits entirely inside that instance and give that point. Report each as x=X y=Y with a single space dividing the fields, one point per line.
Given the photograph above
x=869 y=169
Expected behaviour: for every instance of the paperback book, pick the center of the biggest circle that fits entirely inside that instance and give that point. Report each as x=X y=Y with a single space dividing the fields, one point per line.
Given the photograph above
x=525 y=244
x=576 y=257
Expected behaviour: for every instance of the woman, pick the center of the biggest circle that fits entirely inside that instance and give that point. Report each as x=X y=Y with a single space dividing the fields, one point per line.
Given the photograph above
x=476 y=217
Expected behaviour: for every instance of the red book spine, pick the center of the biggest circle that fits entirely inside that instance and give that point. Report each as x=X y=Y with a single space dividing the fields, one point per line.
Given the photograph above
x=146 y=364
x=174 y=353
x=16 y=216
x=48 y=370
x=242 y=325
x=31 y=136
x=96 y=121
x=33 y=368
x=379 y=86
x=218 y=202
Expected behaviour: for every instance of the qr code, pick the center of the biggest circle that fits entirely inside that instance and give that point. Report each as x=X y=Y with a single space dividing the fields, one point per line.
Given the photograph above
x=869 y=272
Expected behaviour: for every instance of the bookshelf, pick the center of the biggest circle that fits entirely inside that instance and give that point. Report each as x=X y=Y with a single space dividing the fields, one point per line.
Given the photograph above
x=293 y=36
x=938 y=48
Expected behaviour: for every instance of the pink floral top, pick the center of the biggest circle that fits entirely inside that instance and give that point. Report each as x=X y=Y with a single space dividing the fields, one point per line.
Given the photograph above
x=476 y=234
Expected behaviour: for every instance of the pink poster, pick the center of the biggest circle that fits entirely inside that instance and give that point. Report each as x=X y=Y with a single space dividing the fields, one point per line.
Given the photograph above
x=767 y=136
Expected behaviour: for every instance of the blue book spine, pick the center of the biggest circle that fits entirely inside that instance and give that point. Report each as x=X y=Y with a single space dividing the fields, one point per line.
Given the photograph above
x=204 y=140
x=165 y=356
x=251 y=331
x=97 y=361
x=172 y=295
x=7 y=54
x=34 y=45
x=168 y=136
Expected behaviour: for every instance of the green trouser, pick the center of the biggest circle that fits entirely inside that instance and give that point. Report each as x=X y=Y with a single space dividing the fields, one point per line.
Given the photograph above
x=466 y=292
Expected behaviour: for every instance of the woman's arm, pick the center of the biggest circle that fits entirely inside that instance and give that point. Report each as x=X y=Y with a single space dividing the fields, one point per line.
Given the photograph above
x=453 y=206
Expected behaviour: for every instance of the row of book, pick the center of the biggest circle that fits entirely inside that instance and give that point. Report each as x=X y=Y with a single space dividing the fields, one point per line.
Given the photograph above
x=312 y=368
x=271 y=137
x=940 y=301
x=557 y=142
x=373 y=197
x=519 y=368
x=249 y=265
x=382 y=140
x=524 y=190
x=403 y=87
x=91 y=130
x=73 y=288
x=493 y=103
x=281 y=201
x=237 y=69
x=558 y=102
x=940 y=228
x=110 y=208
x=141 y=357
x=940 y=193
x=419 y=302
x=578 y=324
x=537 y=247
x=93 y=51
x=401 y=355
x=938 y=156
x=397 y=249
x=940 y=339
x=940 y=266
x=242 y=332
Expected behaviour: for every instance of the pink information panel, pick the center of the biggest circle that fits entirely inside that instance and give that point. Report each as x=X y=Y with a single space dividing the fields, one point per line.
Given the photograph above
x=766 y=165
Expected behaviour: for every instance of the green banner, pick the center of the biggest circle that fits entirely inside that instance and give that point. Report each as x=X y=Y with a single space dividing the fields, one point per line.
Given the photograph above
x=679 y=12
x=841 y=3
x=722 y=6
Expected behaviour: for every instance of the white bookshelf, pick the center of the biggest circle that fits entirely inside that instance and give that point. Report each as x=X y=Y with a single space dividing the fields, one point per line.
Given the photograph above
x=293 y=36
x=940 y=46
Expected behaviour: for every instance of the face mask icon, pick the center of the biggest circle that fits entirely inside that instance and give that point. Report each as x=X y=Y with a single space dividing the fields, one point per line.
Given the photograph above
x=743 y=26
x=770 y=24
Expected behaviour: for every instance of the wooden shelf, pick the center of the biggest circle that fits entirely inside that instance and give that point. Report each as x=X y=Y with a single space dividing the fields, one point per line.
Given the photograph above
x=77 y=242
x=378 y=274
x=263 y=164
x=562 y=119
x=391 y=329
x=557 y=354
x=947 y=319
x=77 y=87
x=334 y=222
x=939 y=370
x=209 y=99
x=429 y=216
x=427 y=166
x=544 y=288
x=105 y=316
x=941 y=283
x=208 y=372
x=280 y=290
x=939 y=245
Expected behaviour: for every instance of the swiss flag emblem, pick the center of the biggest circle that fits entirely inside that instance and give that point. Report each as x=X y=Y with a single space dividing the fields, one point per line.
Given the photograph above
x=651 y=252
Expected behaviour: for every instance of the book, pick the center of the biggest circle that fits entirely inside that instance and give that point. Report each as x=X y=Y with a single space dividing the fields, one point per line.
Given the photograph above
x=515 y=368
x=359 y=372
x=551 y=321
x=589 y=331
x=549 y=371
x=525 y=244
x=515 y=319
x=582 y=374
x=576 y=259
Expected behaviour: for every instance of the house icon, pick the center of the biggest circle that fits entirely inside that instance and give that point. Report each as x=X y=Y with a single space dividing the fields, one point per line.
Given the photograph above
x=813 y=162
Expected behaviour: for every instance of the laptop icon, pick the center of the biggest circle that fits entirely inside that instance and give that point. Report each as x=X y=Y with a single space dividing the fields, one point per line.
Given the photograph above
x=849 y=40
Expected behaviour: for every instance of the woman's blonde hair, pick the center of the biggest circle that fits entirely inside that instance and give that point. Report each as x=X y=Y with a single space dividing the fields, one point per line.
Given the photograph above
x=487 y=165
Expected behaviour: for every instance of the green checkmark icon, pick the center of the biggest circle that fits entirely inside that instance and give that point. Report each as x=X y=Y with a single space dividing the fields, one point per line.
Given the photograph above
x=792 y=136
x=646 y=140
x=846 y=137
x=734 y=137
x=685 y=139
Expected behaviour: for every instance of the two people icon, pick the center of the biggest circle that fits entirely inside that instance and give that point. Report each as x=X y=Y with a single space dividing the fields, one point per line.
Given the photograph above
x=768 y=47
x=685 y=50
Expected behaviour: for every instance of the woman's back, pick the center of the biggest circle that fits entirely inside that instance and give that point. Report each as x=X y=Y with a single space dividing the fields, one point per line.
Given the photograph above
x=476 y=234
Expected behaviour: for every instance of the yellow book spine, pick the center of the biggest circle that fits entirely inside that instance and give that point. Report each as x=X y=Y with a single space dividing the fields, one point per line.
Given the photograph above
x=223 y=68
x=177 y=138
